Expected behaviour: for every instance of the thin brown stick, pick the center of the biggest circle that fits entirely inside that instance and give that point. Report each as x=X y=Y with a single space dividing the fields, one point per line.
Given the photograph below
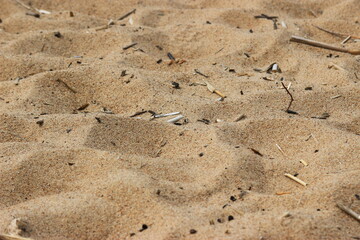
x=336 y=34
x=66 y=85
x=346 y=39
x=291 y=97
x=200 y=73
x=129 y=46
x=322 y=45
x=127 y=14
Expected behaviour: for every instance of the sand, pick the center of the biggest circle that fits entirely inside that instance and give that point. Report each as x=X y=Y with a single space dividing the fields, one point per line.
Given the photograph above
x=74 y=164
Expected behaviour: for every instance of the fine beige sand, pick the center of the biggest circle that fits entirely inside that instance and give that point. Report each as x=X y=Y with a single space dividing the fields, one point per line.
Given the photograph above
x=74 y=164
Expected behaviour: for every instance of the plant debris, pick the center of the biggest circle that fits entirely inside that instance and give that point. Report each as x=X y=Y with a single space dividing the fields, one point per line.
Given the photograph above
x=212 y=89
x=325 y=115
x=291 y=99
x=322 y=45
x=256 y=152
x=129 y=46
x=138 y=113
x=241 y=117
x=83 y=107
x=170 y=56
x=127 y=14
x=349 y=211
x=204 y=120
x=337 y=34
x=272 y=18
x=295 y=179
x=66 y=85
x=200 y=73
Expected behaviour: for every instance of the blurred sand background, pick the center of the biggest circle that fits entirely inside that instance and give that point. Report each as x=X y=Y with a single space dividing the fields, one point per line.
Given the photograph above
x=75 y=165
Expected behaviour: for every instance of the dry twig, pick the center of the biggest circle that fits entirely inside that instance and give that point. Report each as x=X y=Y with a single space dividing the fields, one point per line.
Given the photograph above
x=349 y=211
x=66 y=85
x=337 y=34
x=291 y=97
x=322 y=45
x=127 y=14
x=295 y=179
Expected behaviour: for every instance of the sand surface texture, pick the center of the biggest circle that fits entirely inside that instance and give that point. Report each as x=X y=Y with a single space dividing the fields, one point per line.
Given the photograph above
x=74 y=164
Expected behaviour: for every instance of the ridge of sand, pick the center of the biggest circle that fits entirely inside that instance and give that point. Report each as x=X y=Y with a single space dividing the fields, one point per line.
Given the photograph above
x=75 y=165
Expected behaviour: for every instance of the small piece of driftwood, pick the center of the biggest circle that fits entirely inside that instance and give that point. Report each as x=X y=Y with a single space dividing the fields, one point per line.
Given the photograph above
x=322 y=45
x=349 y=211
x=295 y=179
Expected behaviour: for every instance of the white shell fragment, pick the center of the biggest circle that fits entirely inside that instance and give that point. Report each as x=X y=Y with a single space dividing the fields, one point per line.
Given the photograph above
x=175 y=119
